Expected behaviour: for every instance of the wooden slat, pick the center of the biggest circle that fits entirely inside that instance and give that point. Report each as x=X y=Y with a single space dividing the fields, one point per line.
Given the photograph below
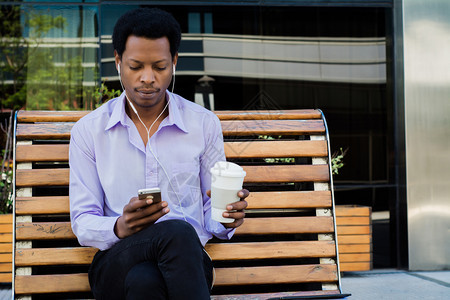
x=231 y=276
x=286 y=173
x=341 y=230
x=271 y=250
x=73 y=116
x=256 y=200
x=355 y=257
x=5 y=228
x=264 y=250
x=272 y=127
x=355 y=248
x=6 y=218
x=267 y=149
x=38 y=153
x=44 y=231
x=42 y=205
x=6 y=267
x=61 y=131
x=258 y=149
x=275 y=275
x=42 y=177
x=290 y=199
x=6 y=237
x=44 y=131
x=25 y=116
x=6 y=247
x=354 y=239
x=268 y=114
x=60 y=283
x=54 y=256
x=6 y=257
x=286 y=225
x=6 y=277
x=352 y=221
x=355 y=266
x=352 y=211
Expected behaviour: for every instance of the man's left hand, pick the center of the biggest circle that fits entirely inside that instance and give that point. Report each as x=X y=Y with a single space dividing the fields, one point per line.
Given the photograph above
x=235 y=210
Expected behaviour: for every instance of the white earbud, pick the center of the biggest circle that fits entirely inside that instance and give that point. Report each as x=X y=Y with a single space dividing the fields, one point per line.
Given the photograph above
x=121 y=84
x=173 y=70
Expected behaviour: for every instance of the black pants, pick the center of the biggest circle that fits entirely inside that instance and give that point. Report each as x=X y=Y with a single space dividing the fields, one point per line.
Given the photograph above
x=164 y=261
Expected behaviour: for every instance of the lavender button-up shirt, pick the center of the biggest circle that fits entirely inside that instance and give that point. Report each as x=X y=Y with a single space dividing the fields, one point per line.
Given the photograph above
x=109 y=163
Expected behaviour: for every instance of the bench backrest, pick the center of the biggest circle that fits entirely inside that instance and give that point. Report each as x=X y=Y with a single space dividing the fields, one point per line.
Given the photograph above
x=286 y=246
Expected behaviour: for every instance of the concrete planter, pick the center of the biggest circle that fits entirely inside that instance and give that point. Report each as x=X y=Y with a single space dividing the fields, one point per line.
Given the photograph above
x=354 y=230
x=6 y=228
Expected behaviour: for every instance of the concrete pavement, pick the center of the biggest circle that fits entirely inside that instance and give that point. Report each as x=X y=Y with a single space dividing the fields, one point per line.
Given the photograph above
x=396 y=284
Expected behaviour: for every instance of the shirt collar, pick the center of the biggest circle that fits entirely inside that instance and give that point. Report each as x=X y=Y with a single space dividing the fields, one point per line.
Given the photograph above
x=175 y=114
x=119 y=115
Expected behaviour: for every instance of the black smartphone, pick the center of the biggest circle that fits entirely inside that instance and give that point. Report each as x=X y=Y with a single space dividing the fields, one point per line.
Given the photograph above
x=155 y=193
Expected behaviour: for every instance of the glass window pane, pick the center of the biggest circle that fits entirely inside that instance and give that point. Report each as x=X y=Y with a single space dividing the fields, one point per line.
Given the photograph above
x=53 y=55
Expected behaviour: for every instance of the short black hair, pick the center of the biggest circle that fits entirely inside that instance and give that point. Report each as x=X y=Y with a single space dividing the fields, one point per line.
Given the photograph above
x=152 y=23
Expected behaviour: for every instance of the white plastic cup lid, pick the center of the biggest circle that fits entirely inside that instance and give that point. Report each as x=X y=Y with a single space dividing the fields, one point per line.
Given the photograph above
x=227 y=169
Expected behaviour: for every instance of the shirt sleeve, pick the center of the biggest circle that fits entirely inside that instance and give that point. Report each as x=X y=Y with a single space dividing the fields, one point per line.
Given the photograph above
x=86 y=195
x=214 y=151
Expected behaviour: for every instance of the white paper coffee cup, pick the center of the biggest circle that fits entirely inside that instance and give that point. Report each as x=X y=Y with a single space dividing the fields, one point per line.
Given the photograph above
x=226 y=181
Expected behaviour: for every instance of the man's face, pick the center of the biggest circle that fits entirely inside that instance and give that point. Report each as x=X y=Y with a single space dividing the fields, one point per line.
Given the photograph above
x=146 y=70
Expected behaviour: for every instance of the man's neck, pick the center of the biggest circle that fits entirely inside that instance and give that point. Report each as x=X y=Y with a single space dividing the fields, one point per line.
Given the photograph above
x=148 y=115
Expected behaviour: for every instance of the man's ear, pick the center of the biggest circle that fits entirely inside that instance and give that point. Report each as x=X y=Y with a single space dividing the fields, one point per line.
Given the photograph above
x=117 y=59
x=175 y=59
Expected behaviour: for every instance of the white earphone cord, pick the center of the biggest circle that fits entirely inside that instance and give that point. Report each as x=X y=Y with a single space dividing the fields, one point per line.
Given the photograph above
x=148 y=133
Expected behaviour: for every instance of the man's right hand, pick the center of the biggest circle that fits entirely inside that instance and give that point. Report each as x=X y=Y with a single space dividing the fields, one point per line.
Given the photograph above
x=139 y=214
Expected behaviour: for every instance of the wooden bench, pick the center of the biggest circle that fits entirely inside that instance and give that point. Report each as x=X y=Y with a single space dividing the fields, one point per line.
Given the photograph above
x=285 y=248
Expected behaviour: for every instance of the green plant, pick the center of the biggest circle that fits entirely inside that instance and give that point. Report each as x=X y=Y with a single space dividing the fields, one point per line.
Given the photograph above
x=276 y=160
x=337 y=160
x=102 y=94
x=6 y=169
x=5 y=194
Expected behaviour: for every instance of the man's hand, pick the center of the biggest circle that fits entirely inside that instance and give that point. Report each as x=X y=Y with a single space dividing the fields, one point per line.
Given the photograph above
x=137 y=215
x=235 y=210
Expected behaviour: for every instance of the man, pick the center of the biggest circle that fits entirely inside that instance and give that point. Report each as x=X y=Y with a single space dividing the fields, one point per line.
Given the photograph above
x=147 y=137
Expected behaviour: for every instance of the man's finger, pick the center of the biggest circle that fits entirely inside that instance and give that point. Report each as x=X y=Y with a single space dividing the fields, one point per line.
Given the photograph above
x=239 y=205
x=151 y=209
x=243 y=193
x=234 y=215
x=135 y=204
